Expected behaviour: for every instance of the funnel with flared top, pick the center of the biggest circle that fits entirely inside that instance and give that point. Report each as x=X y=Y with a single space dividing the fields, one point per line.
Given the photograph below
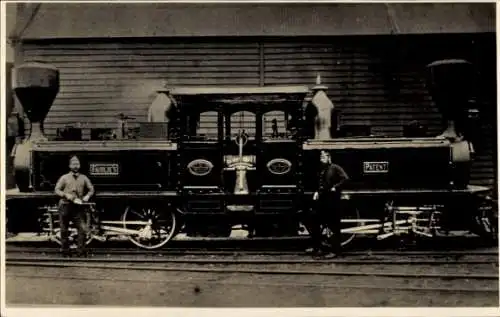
x=451 y=84
x=36 y=85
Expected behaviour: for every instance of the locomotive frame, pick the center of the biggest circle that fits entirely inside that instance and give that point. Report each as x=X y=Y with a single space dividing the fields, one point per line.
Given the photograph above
x=186 y=182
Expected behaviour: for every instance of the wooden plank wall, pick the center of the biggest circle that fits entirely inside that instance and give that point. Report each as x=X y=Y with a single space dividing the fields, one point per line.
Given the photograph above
x=375 y=81
x=355 y=80
x=99 y=81
x=9 y=139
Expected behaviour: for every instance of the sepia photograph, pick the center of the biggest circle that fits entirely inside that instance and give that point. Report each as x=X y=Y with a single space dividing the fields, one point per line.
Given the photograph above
x=249 y=155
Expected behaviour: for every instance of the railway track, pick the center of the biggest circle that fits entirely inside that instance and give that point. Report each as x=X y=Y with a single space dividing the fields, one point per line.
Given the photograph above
x=333 y=274
x=115 y=264
x=132 y=258
x=272 y=253
x=450 y=273
x=15 y=260
x=222 y=251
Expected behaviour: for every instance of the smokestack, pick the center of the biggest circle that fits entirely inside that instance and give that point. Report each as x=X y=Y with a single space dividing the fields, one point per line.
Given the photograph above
x=451 y=85
x=36 y=85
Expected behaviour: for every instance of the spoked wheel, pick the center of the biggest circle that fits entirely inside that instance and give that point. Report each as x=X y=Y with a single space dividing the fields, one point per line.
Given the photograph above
x=350 y=218
x=154 y=228
x=487 y=220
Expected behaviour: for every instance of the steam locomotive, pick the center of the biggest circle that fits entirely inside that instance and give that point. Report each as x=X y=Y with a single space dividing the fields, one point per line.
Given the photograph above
x=181 y=180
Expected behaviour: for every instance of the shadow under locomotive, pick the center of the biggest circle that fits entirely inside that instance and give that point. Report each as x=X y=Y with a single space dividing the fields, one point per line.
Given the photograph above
x=204 y=181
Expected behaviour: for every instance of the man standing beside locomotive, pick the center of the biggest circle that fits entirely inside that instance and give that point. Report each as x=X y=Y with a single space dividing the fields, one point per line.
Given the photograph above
x=327 y=208
x=71 y=187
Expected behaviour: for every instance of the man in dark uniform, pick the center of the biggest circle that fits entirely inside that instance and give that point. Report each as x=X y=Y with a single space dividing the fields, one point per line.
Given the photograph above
x=327 y=208
x=73 y=188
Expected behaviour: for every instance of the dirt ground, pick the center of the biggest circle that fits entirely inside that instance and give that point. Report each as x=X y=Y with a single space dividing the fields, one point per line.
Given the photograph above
x=82 y=286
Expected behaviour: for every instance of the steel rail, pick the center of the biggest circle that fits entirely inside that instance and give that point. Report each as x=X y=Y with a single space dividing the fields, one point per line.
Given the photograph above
x=233 y=261
x=335 y=284
x=232 y=251
x=55 y=264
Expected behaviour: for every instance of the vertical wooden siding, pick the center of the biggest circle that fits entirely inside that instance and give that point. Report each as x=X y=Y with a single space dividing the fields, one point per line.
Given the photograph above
x=99 y=81
x=9 y=140
x=354 y=75
x=372 y=82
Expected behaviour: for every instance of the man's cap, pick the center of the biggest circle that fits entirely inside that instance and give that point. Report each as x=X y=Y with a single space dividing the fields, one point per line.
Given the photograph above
x=74 y=158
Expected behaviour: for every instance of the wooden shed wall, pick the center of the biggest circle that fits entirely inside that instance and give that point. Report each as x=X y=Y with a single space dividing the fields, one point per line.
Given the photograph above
x=9 y=139
x=377 y=81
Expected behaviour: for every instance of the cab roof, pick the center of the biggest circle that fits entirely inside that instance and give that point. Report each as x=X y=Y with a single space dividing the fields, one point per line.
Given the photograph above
x=189 y=91
x=239 y=95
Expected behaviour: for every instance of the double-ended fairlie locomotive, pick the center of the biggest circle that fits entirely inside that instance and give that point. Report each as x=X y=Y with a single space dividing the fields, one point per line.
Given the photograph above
x=184 y=179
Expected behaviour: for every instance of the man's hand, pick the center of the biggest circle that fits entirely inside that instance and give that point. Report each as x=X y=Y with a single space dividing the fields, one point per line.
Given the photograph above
x=86 y=198
x=315 y=196
x=333 y=189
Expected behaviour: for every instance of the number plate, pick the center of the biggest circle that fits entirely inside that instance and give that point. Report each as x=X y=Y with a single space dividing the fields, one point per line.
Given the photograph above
x=375 y=167
x=100 y=169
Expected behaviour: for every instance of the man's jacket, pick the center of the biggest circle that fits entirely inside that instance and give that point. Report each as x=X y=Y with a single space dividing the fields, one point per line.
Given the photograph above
x=331 y=176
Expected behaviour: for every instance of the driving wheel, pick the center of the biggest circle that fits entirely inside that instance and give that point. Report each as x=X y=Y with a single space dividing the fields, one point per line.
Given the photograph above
x=154 y=227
